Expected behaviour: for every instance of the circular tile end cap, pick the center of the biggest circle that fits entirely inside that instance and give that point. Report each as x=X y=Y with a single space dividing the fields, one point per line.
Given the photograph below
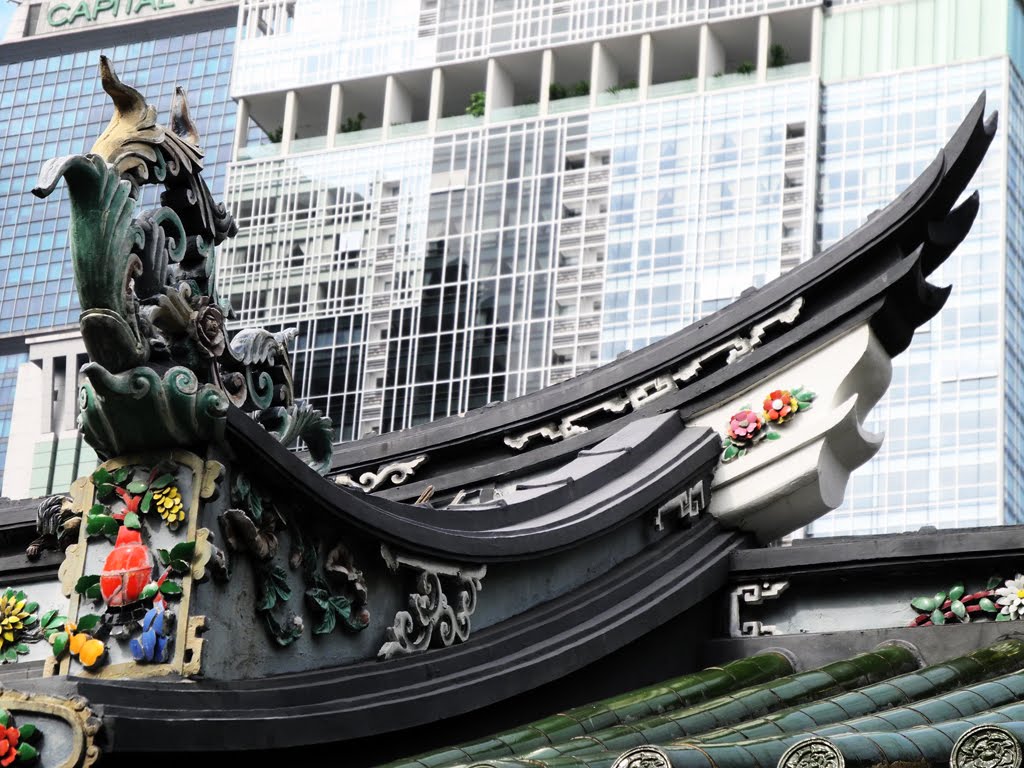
x=812 y=753
x=986 y=746
x=643 y=757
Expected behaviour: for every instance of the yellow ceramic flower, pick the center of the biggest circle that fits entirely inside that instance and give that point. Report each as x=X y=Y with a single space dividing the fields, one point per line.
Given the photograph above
x=13 y=613
x=169 y=505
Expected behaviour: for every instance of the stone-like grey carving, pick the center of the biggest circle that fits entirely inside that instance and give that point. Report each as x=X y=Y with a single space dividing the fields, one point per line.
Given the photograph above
x=986 y=746
x=643 y=757
x=740 y=346
x=659 y=386
x=812 y=753
x=397 y=472
x=752 y=594
x=687 y=505
x=431 y=607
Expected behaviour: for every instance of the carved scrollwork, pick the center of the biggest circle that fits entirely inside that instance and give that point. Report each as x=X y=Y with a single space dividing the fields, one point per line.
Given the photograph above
x=396 y=473
x=434 y=611
x=815 y=752
x=986 y=746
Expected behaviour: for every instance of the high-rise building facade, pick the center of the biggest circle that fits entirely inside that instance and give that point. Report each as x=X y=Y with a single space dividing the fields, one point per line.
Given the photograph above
x=461 y=201
x=52 y=104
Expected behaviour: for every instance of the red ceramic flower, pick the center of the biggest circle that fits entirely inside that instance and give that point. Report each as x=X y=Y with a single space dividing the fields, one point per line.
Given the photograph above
x=745 y=426
x=9 y=745
x=780 y=405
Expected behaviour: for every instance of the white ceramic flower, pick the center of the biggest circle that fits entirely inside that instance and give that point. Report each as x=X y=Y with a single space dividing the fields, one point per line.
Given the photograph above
x=1011 y=597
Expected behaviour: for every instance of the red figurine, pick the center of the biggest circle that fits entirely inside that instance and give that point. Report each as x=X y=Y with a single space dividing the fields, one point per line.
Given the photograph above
x=127 y=569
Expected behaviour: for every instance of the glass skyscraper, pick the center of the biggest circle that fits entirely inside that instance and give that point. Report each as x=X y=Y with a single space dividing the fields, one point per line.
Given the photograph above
x=460 y=202
x=51 y=105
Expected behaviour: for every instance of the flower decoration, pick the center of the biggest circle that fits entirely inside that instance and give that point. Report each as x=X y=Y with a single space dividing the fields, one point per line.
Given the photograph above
x=14 y=741
x=747 y=427
x=1011 y=597
x=16 y=624
x=780 y=405
x=169 y=505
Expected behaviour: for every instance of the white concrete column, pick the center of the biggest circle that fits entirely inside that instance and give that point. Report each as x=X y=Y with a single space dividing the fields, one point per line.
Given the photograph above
x=334 y=114
x=70 y=404
x=241 y=126
x=46 y=416
x=547 y=77
x=646 y=67
x=21 y=446
x=436 y=98
x=500 y=89
x=712 y=57
x=817 y=21
x=764 y=40
x=604 y=72
x=291 y=116
x=397 y=104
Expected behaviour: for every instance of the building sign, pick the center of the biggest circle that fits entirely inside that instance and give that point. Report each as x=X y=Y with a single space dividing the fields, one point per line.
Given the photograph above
x=64 y=13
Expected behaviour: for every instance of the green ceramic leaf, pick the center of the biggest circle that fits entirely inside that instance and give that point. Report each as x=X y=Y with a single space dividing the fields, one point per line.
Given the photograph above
x=730 y=452
x=958 y=609
x=994 y=581
x=88 y=623
x=21 y=648
x=85 y=582
x=10 y=655
x=162 y=482
x=183 y=551
x=96 y=524
x=170 y=588
x=122 y=474
x=101 y=475
x=93 y=592
x=924 y=604
x=60 y=644
x=131 y=520
x=48 y=616
x=97 y=509
x=164 y=555
x=27 y=752
x=772 y=435
x=149 y=591
x=110 y=526
x=147 y=502
x=1002 y=617
x=104 y=491
x=987 y=605
x=938 y=617
x=940 y=597
x=255 y=506
x=27 y=732
x=31 y=607
x=137 y=487
x=957 y=591
x=5 y=718
x=180 y=566
x=30 y=621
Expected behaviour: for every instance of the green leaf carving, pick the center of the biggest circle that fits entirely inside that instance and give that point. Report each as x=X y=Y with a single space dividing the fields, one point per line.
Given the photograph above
x=987 y=605
x=88 y=623
x=170 y=588
x=60 y=644
x=957 y=591
x=162 y=482
x=85 y=582
x=149 y=591
x=27 y=752
x=959 y=609
x=147 y=502
x=137 y=487
x=131 y=520
x=938 y=617
x=994 y=581
x=1002 y=617
x=184 y=551
x=93 y=592
x=28 y=732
